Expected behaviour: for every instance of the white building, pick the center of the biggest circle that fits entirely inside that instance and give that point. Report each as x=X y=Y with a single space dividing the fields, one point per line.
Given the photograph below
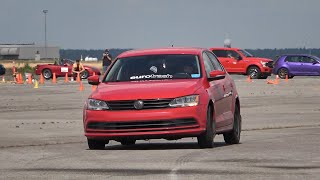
x=28 y=51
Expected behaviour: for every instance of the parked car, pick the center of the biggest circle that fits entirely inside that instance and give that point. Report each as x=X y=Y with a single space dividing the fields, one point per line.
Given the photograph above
x=297 y=65
x=168 y=93
x=239 y=61
x=2 y=70
x=63 y=67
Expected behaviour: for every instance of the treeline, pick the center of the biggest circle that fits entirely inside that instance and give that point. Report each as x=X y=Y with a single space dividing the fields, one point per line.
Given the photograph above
x=273 y=53
x=266 y=53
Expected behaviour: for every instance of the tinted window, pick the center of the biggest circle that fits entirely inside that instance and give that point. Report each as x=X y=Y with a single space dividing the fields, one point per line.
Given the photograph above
x=220 y=53
x=306 y=59
x=215 y=62
x=292 y=59
x=155 y=67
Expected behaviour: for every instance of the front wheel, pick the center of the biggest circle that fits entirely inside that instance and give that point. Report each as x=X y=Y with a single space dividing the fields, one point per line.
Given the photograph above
x=205 y=140
x=85 y=74
x=254 y=72
x=47 y=74
x=233 y=137
x=97 y=144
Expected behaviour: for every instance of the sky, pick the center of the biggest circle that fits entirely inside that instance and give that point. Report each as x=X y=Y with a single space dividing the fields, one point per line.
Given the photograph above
x=99 y=24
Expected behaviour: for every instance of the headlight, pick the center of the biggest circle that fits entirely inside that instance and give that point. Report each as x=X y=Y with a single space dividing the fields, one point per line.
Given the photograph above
x=94 y=104
x=264 y=64
x=185 y=101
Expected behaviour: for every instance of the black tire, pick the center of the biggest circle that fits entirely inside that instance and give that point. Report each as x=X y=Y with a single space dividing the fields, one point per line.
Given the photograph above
x=128 y=142
x=47 y=74
x=206 y=139
x=254 y=72
x=282 y=72
x=97 y=144
x=233 y=137
x=84 y=74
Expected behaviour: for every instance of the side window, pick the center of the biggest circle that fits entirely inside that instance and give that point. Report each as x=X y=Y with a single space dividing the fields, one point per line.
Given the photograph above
x=232 y=54
x=207 y=64
x=307 y=60
x=217 y=65
x=292 y=59
x=220 y=53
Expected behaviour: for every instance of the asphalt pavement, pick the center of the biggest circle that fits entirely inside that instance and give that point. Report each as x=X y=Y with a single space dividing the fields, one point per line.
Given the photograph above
x=41 y=137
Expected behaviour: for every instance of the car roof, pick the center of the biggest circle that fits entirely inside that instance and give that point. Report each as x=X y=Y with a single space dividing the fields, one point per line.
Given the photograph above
x=223 y=48
x=309 y=55
x=157 y=51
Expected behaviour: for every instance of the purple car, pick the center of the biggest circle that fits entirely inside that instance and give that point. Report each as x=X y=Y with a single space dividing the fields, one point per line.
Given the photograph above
x=297 y=65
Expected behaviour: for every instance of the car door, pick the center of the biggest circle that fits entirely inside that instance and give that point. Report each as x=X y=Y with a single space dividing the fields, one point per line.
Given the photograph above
x=236 y=62
x=227 y=87
x=309 y=66
x=293 y=63
x=215 y=92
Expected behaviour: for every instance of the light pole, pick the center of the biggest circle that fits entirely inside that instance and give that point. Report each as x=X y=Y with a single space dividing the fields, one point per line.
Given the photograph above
x=45 y=31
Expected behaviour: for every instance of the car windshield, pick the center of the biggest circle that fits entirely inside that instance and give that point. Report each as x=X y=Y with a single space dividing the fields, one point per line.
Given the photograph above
x=66 y=61
x=245 y=53
x=154 y=67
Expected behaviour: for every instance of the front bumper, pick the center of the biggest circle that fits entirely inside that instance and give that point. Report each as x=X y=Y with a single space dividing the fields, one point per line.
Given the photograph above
x=145 y=124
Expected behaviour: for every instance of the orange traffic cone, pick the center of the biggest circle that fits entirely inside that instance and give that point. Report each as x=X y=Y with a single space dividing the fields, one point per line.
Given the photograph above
x=93 y=88
x=41 y=79
x=54 y=79
x=20 y=81
x=66 y=79
x=78 y=77
x=270 y=82
x=287 y=78
x=30 y=79
x=81 y=87
x=249 y=79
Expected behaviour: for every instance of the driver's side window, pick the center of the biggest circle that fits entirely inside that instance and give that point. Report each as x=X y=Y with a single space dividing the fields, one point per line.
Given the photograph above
x=233 y=54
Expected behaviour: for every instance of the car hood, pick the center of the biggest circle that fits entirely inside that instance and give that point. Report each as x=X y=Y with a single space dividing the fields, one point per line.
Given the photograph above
x=259 y=59
x=145 y=89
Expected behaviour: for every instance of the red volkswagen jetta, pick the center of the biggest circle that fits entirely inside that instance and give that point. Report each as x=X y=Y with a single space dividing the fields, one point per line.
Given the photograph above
x=167 y=93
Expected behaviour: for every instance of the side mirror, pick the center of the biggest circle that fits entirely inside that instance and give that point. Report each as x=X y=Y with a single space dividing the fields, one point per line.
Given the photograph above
x=217 y=74
x=94 y=80
x=315 y=62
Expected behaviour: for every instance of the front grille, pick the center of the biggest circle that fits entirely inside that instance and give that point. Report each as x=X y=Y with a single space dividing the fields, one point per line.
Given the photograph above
x=270 y=64
x=142 y=124
x=148 y=104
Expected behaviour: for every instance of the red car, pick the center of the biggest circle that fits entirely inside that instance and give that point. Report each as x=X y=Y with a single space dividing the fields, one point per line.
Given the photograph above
x=166 y=93
x=63 y=67
x=239 y=61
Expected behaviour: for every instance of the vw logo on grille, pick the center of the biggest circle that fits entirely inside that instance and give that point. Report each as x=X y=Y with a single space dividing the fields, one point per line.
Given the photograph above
x=138 y=104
